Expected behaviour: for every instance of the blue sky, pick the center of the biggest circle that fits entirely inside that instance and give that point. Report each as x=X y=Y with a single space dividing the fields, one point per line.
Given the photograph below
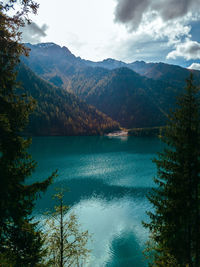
x=127 y=30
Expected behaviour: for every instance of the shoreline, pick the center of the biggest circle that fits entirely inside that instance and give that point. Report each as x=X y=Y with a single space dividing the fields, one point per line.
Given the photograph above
x=118 y=133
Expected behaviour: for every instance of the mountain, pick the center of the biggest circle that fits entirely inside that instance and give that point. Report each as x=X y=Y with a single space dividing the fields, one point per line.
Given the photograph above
x=127 y=97
x=57 y=65
x=135 y=94
x=59 y=112
x=173 y=74
x=53 y=63
x=108 y=63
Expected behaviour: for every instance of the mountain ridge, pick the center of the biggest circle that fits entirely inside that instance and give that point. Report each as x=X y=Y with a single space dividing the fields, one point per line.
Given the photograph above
x=69 y=65
x=139 y=98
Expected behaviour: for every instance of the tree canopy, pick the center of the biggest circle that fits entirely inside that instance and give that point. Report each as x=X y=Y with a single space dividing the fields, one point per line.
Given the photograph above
x=174 y=223
x=20 y=242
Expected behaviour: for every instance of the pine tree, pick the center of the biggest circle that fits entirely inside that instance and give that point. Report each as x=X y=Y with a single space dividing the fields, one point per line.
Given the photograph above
x=20 y=242
x=174 y=223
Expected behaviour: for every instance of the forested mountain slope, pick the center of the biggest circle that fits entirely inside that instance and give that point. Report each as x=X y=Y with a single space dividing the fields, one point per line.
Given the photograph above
x=52 y=62
x=59 y=112
x=127 y=97
x=112 y=86
x=173 y=74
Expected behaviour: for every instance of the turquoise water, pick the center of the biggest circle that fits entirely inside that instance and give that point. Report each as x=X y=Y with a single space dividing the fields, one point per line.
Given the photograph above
x=108 y=179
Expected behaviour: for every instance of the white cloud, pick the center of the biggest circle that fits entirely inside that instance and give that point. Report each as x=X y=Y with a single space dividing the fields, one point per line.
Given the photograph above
x=188 y=50
x=166 y=22
x=32 y=33
x=108 y=221
x=153 y=40
x=88 y=28
x=194 y=66
x=85 y=27
x=132 y=12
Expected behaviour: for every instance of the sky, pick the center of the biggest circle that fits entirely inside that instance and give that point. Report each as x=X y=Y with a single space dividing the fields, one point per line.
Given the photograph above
x=127 y=30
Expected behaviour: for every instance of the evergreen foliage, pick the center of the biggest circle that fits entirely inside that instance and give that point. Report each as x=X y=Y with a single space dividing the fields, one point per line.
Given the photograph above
x=20 y=242
x=59 y=112
x=147 y=132
x=174 y=223
x=123 y=95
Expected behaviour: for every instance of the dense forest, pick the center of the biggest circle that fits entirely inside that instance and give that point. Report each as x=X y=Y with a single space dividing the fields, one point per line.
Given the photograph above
x=59 y=112
x=132 y=99
x=126 y=97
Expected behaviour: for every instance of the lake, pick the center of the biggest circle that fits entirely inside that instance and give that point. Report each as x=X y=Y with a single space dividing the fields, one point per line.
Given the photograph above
x=108 y=179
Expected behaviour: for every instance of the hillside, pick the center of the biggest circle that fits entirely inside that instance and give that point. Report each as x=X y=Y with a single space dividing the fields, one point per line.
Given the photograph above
x=57 y=64
x=112 y=86
x=125 y=96
x=59 y=112
x=53 y=63
x=173 y=74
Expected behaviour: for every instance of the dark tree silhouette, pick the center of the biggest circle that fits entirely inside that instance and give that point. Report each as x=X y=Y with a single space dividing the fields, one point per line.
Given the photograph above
x=20 y=242
x=174 y=223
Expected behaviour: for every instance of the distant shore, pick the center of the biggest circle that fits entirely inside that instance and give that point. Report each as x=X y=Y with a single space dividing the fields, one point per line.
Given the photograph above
x=147 y=132
x=118 y=133
x=139 y=132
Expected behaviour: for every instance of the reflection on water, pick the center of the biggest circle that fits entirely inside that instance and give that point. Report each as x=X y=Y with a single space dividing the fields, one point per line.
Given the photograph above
x=108 y=179
x=117 y=230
